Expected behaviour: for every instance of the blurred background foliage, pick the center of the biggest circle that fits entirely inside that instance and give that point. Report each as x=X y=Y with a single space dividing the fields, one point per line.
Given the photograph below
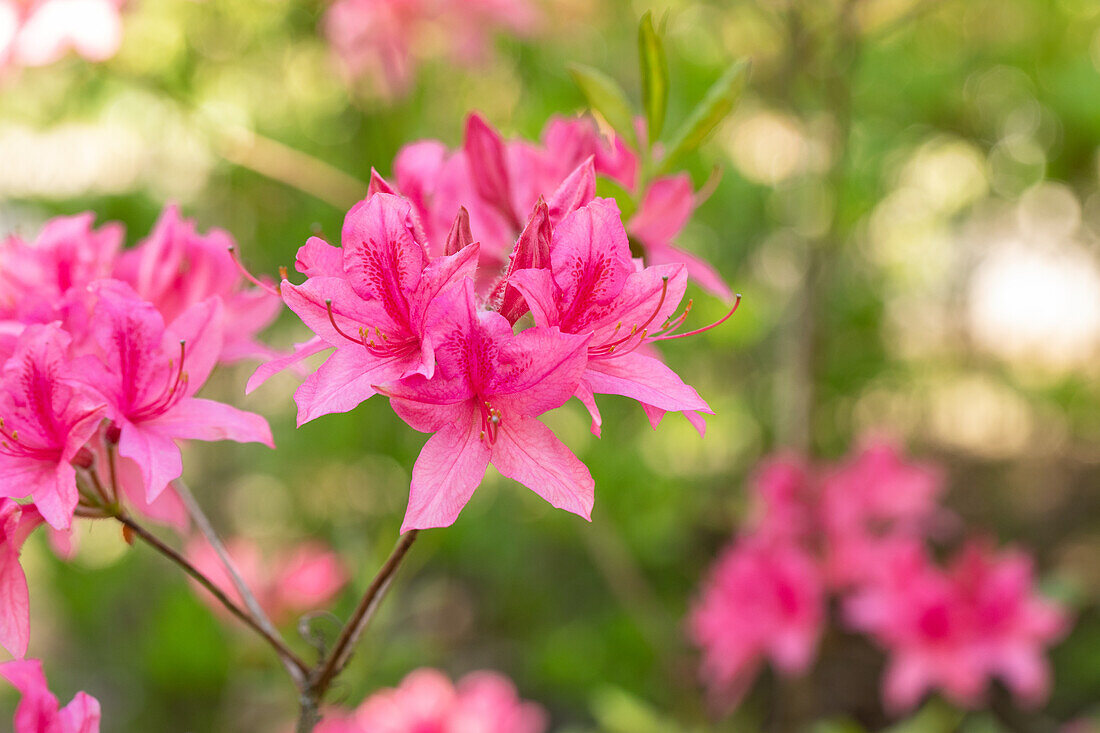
x=910 y=205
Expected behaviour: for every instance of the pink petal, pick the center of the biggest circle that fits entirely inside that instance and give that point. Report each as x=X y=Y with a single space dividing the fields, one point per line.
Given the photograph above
x=698 y=269
x=591 y=255
x=665 y=209
x=588 y=399
x=382 y=258
x=82 y=715
x=346 y=380
x=319 y=258
x=540 y=294
x=14 y=602
x=301 y=352
x=485 y=153
x=349 y=311
x=527 y=451
x=156 y=455
x=201 y=419
x=539 y=369
x=200 y=327
x=448 y=470
x=644 y=379
x=575 y=191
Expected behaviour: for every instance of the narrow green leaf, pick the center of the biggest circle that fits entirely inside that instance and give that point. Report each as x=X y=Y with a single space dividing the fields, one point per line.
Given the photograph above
x=651 y=54
x=719 y=101
x=605 y=96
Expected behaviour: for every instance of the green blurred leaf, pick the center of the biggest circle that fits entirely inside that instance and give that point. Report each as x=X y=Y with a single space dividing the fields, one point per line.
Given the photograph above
x=654 y=67
x=604 y=95
x=935 y=717
x=718 y=102
x=617 y=711
x=609 y=189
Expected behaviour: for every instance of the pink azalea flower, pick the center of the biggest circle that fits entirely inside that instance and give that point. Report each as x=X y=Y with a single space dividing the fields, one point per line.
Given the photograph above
x=45 y=419
x=954 y=630
x=68 y=253
x=40 y=32
x=482 y=406
x=869 y=501
x=16 y=522
x=303 y=578
x=785 y=506
x=760 y=602
x=38 y=711
x=481 y=702
x=387 y=39
x=375 y=301
x=175 y=268
x=149 y=375
x=593 y=287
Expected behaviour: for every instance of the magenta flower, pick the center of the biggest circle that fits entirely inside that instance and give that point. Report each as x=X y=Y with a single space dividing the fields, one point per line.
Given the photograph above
x=40 y=32
x=303 y=578
x=760 y=602
x=45 y=419
x=375 y=301
x=175 y=268
x=481 y=702
x=149 y=375
x=38 y=710
x=16 y=522
x=954 y=630
x=593 y=287
x=482 y=406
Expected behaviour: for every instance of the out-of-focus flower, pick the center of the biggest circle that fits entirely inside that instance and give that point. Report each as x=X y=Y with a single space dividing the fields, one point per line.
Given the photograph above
x=387 y=39
x=426 y=700
x=760 y=602
x=39 y=711
x=301 y=578
x=149 y=374
x=46 y=417
x=175 y=268
x=956 y=629
x=16 y=522
x=40 y=32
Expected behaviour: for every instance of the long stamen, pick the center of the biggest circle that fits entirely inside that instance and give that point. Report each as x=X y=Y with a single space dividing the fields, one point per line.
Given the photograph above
x=382 y=348
x=697 y=331
x=610 y=347
x=235 y=256
x=174 y=388
x=335 y=325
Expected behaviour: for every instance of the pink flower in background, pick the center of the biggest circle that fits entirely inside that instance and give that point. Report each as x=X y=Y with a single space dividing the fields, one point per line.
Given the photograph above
x=426 y=700
x=175 y=268
x=302 y=578
x=956 y=629
x=593 y=287
x=387 y=39
x=376 y=304
x=760 y=602
x=39 y=711
x=149 y=374
x=785 y=504
x=40 y=32
x=482 y=407
x=16 y=522
x=45 y=419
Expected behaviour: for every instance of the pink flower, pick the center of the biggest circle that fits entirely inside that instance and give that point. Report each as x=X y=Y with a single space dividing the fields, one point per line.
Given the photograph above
x=68 y=253
x=953 y=630
x=303 y=578
x=594 y=288
x=785 y=504
x=175 y=268
x=760 y=601
x=375 y=301
x=45 y=419
x=38 y=710
x=149 y=374
x=16 y=522
x=40 y=32
x=426 y=701
x=482 y=406
x=386 y=39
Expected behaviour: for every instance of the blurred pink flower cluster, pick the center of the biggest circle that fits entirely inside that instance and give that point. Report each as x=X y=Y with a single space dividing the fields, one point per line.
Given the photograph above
x=297 y=579
x=422 y=301
x=858 y=531
x=39 y=710
x=387 y=39
x=102 y=353
x=40 y=32
x=426 y=700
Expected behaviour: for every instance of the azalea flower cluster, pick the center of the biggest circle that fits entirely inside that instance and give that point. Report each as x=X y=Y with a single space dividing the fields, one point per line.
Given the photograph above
x=858 y=532
x=387 y=39
x=426 y=700
x=103 y=351
x=40 y=32
x=473 y=340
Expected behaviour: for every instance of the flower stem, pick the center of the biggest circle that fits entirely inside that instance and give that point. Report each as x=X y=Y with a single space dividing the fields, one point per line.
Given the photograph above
x=334 y=663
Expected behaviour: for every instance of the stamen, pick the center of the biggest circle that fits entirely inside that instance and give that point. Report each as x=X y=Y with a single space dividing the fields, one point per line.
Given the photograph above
x=274 y=290
x=332 y=320
x=719 y=322
x=609 y=347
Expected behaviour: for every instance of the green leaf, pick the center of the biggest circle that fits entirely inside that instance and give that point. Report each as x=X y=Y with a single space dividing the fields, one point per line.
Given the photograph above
x=651 y=54
x=719 y=101
x=605 y=96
